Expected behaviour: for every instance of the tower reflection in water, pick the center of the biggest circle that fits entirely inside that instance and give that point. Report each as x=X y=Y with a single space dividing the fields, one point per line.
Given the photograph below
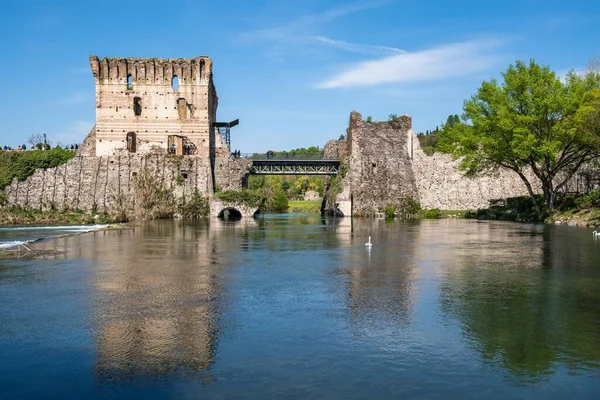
x=158 y=300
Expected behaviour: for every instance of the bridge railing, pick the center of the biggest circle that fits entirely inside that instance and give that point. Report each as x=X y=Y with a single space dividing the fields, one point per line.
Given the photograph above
x=284 y=156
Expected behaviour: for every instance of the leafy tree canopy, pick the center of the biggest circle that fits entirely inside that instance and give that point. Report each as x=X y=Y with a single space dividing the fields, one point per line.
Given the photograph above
x=531 y=120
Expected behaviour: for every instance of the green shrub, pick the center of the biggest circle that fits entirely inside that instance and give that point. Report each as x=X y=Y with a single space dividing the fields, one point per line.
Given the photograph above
x=280 y=203
x=433 y=213
x=409 y=206
x=588 y=200
x=195 y=207
x=390 y=212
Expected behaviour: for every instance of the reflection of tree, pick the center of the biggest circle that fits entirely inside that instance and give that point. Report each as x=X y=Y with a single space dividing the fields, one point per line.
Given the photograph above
x=528 y=317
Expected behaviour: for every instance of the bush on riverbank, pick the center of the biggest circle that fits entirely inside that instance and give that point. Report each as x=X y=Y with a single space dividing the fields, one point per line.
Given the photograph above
x=572 y=209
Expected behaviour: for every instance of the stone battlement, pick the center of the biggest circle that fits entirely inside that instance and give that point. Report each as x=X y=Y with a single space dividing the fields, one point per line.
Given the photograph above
x=152 y=71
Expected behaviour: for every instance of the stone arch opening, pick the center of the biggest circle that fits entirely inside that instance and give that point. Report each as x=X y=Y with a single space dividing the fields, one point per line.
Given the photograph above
x=230 y=214
x=137 y=106
x=175 y=82
x=129 y=82
x=131 y=142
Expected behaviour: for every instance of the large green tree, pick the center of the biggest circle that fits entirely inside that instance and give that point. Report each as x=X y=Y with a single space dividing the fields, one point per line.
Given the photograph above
x=532 y=120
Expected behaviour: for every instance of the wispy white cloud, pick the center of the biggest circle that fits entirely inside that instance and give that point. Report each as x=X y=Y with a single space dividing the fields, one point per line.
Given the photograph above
x=302 y=31
x=448 y=61
x=355 y=47
x=302 y=24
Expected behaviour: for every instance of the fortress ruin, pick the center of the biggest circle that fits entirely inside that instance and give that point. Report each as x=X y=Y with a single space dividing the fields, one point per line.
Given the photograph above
x=149 y=105
x=156 y=119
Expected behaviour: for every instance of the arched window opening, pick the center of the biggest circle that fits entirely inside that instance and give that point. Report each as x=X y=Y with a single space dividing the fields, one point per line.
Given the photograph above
x=131 y=142
x=175 y=83
x=137 y=106
x=129 y=82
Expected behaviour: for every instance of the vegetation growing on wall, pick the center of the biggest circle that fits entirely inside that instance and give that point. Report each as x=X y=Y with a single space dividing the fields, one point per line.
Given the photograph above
x=196 y=206
x=153 y=200
x=248 y=197
x=22 y=164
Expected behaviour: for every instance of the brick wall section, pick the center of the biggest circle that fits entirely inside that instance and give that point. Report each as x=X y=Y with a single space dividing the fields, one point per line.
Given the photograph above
x=120 y=81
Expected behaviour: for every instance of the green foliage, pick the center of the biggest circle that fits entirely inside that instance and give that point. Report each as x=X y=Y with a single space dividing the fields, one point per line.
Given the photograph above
x=392 y=117
x=280 y=203
x=519 y=209
x=313 y=152
x=195 y=206
x=369 y=119
x=588 y=200
x=153 y=199
x=250 y=198
x=433 y=213
x=179 y=180
x=429 y=142
x=390 y=213
x=532 y=120
x=409 y=207
x=452 y=120
x=22 y=164
x=342 y=137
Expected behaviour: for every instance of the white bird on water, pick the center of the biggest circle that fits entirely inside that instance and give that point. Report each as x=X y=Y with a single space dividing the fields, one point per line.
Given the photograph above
x=368 y=244
x=596 y=233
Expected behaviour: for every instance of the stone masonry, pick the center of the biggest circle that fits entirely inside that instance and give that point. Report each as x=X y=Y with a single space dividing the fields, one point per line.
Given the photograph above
x=385 y=163
x=143 y=107
x=141 y=102
x=379 y=171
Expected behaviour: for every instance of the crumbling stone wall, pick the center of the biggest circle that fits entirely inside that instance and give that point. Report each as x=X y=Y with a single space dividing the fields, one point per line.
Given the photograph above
x=88 y=147
x=379 y=171
x=441 y=184
x=103 y=183
x=385 y=163
x=335 y=150
x=230 y=172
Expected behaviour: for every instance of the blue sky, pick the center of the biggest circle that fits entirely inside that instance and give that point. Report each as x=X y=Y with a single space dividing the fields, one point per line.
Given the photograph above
x=291 y=71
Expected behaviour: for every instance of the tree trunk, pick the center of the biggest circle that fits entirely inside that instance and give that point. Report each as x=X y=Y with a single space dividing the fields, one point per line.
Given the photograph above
x=531 y=194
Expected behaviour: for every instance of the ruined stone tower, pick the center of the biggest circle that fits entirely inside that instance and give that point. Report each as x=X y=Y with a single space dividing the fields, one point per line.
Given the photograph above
x=150 y=105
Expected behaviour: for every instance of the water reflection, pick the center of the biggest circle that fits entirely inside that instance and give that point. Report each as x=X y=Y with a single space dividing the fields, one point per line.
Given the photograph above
x=380 y=278
x=157 y=301
x=297 y=307
x=526 y=297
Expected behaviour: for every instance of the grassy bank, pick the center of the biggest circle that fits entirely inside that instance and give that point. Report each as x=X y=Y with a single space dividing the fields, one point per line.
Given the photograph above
x=20 y=216
x=304 y=206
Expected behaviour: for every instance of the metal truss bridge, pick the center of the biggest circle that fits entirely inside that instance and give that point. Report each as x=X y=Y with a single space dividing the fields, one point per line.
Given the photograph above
x=295 y=167
x=290 y=164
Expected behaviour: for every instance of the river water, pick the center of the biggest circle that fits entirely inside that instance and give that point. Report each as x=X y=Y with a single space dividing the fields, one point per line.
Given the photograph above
x=295 y=306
